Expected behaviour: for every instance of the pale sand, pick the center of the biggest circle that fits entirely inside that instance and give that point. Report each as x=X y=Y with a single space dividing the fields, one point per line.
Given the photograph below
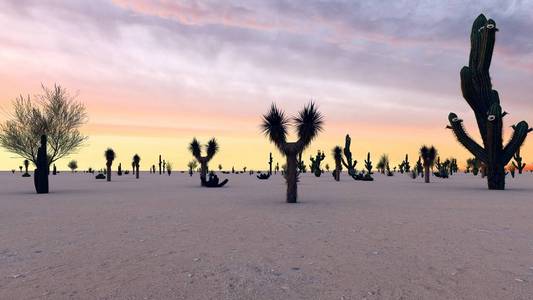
x=165 y=237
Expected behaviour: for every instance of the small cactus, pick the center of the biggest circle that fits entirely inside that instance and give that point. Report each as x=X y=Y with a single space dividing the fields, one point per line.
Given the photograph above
x=337 y=155
x=315 y=163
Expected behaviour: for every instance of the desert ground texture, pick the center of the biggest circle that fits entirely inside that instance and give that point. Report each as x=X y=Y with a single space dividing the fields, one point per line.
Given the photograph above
x=165 y=237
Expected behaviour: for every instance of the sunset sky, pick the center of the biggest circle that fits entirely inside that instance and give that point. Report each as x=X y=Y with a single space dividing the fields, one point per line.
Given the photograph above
x=154 y=74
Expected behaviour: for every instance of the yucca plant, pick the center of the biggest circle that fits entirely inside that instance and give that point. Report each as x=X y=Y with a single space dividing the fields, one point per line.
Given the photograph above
x=196 y=150
x=192 y=165
x=136 y=161
x=337 y=155
x=308 y=124
x=428 y=155
x=109 y=157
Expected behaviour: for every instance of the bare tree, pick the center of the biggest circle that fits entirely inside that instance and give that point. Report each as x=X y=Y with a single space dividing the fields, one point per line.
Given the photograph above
x=55 y=113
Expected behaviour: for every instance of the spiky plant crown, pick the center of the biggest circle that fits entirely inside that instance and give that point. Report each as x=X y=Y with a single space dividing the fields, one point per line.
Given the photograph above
x=195 y=148
x=275 y=126
x=337 y=153
x=109 y=154
x=136 y=159
x=308 y=123
x=428 y=155
x=212 y=148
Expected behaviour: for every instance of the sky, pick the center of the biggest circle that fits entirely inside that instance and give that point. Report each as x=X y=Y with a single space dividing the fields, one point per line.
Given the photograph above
x=153 y=74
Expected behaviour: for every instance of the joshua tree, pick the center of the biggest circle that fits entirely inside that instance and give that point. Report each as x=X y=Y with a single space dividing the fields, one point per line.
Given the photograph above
x=54 y=170
x=517 y=163
x=160 y=163
x=26 y=165
x=327 y=167
x=315 y=163
x=109 y=157
x=349 y=163
x=220 y=167
x=196 y=150
x=73 y=165
x=382 y=163
x=136 y=161
x=337 y=155
x=477 y=90
x=428 y=155
x=308 y=124
x=164 y=166
x=133 y=168
x=192 y=165
x=119 y=169
x=277 y=168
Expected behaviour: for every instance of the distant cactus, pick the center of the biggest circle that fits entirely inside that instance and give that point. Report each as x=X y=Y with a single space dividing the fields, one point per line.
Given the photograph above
x=517 y=163
x=419 y=167
x=119 y=169
x=349 y=163
x=453 y=166
x=160 y=164
x=308 y=123
x=327 y=167
x=169 y=168
x=442 y=168
x=368 y=164
x=26 y=165
x=337 y=156
x=428 y=155
x=315 y=163
x=136 y=161
x=477 y=90
x=473 y=164
x=270 y=160
x=133 y=168
x=405 y=166
x=196 y=150
x=302 y=168
x=109 y=157
x=54 y=170
x=277 y=168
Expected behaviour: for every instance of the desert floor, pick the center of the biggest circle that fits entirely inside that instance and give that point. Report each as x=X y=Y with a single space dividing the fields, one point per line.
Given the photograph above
x=164 y=237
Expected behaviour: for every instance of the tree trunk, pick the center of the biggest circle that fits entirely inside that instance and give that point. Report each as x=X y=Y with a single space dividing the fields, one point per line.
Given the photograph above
x=496 y=177
x=426 y=174
x=108 y=172
x=203 y=172
x=137 y=172
x=292 y=178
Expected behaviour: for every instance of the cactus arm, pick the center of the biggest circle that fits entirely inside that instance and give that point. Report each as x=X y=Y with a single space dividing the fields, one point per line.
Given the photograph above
x=456 y=125
x=344 y=163
x=519 y=135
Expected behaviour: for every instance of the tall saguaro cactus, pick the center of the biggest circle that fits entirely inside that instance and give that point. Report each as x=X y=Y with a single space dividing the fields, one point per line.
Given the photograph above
x=196 y=150
x=485 y=102
x=308 y=124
